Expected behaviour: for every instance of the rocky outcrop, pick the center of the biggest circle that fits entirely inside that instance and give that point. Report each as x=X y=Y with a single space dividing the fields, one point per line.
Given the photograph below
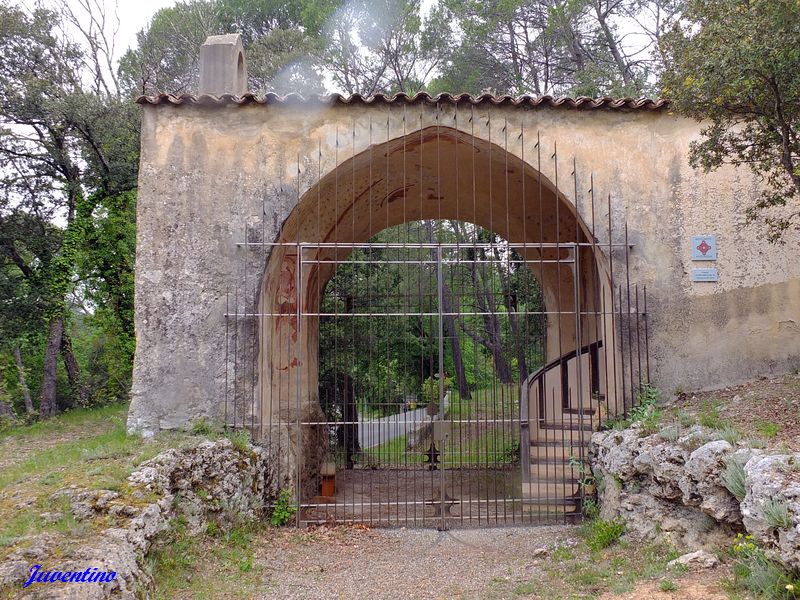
x=771 y=508
x=211 y=481
x=670 y=486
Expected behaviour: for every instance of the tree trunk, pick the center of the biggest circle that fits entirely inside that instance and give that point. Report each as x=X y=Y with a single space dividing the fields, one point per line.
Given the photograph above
x=73 y=368
x=23 y=384
x=493 y=340
x=450 y=329
x=47 y=405
x=7 y=411
x=613 y=46
x=451 y=332
x=510 y=300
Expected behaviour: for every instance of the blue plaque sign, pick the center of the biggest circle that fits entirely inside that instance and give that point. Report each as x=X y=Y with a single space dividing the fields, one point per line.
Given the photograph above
x=704 y=247
x=710 y=274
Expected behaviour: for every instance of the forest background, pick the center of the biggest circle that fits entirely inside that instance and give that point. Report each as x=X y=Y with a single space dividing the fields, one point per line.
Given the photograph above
x=69 y=144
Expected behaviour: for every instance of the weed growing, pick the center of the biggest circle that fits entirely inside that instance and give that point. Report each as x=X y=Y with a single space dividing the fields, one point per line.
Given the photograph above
x=733 y=478
x=283 y=510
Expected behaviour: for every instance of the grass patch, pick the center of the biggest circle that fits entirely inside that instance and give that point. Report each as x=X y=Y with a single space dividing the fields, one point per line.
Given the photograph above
x=729 y=433
x=709 y=414
x=96 y=453
x=199 y=566
x=602 y=533
x=776 y=512
x=733 y=478
x=757 y=573
x=472 y=441
x=78 y=418
x=667 y=585
x=767 y=429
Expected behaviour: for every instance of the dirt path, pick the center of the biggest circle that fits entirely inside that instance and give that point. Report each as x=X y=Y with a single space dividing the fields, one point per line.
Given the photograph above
x=341 y=563
x=533 y=562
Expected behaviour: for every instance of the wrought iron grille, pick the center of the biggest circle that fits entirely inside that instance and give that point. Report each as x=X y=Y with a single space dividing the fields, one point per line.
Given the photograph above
x=435 y=374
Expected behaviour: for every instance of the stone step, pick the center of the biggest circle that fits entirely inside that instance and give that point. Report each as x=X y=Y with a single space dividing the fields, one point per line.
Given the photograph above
x=557 y=450
x=551 y=489
x=553 y=434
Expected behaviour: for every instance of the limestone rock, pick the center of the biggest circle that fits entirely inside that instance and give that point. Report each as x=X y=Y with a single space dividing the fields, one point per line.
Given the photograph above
x=701 y=484
x=774 y=481
x=700 y=558
x=210 y=480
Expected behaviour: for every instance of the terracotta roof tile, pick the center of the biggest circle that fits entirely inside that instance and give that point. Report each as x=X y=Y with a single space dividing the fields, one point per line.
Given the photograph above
x=582 y=102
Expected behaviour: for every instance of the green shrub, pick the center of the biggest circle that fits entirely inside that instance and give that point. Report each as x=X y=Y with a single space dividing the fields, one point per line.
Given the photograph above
x=733 y=478
x=646 y=413
x=776 y=512
x=759 y=574
x=767 y=429
x=202 y=427
x=709 y=415
x=591 y=510
x=602 y=533
x=667 y=585
x=671 y=433
x=240 y=439
x=284 y=509
x=729 y=433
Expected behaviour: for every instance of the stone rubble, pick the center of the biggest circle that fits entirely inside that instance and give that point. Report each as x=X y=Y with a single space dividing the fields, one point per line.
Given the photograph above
x=668 y=486
x=211 y=481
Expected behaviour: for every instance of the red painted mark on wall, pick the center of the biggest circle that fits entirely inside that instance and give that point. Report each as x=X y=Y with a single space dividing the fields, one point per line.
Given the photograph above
x=286 y=324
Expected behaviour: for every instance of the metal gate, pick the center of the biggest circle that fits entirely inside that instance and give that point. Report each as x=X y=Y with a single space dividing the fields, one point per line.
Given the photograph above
x=436 y=374
x=437 y=405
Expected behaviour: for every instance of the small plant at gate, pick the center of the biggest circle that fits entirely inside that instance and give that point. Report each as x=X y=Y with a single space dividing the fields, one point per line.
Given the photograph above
x=602 y=533
x=284 y=509
x=585 y=476
x=646 y=413
x=590 y=508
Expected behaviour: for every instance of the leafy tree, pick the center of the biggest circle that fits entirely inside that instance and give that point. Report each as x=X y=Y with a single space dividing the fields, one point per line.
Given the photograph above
x=576 y=47
x=736 y=65
x=66 y=131
x=168 y=52
x=384 y=45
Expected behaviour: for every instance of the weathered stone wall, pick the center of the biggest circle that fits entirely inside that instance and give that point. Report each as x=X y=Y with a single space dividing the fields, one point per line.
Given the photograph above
x=209 y=171
x=210 y=481
x=673 y=490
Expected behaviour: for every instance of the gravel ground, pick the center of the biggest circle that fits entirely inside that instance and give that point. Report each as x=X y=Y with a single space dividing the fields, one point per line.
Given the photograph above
x=405 y=563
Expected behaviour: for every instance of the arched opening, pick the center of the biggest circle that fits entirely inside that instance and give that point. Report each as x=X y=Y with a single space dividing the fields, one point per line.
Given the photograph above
x=434 y=175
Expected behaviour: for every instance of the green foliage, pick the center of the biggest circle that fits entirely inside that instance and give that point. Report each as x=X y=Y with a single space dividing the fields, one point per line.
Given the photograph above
x=240 y=439
x=729 y=433
x=646 y=413
x=776 y=512
x=590 y=509
x=736 y=66
x=668 y=585
x=733 y=478
x=754 y=571
x=513 y=47
x=670 y=433
x=283 y=509
x=167 y=52
x=767 y=429
x=202 y=426
x=709 y=415
x=602 y=533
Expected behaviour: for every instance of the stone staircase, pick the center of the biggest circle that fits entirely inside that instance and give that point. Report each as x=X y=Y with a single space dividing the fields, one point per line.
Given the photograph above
x=555 y=457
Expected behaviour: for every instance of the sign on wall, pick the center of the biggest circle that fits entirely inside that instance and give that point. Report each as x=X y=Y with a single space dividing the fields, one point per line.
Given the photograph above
x=707 y=274
x=704 y=247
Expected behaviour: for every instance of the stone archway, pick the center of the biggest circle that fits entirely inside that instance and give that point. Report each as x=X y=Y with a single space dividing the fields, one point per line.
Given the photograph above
x=433 y=173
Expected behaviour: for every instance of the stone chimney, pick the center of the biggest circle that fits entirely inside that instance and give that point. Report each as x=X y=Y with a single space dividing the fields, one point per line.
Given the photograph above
x=223 y=68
